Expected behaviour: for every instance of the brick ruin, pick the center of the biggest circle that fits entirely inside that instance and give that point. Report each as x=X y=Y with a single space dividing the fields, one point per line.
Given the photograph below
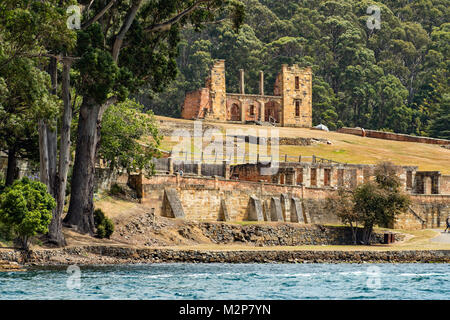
x=320 y=174
x=289 y=106
x=296 y=193
x=336 y=175
x=200 y=198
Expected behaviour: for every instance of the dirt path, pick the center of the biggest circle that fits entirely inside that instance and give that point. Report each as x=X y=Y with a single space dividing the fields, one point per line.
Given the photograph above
x=443 y=237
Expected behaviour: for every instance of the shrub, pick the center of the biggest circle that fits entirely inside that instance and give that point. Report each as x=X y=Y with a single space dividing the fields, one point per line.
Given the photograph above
x=101 y=233
x=26 y=209
x=104 y=225
x=116 y=190
x=109 y=227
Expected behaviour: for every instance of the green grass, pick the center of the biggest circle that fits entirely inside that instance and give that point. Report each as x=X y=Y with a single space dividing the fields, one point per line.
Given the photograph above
x=347 y=148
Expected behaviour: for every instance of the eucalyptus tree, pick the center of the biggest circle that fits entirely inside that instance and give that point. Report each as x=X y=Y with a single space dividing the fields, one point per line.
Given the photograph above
x=122 y=45
x=35 y=41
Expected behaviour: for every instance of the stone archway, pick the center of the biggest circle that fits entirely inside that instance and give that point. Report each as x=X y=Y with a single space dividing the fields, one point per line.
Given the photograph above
x=235 y=112
x=272 y=111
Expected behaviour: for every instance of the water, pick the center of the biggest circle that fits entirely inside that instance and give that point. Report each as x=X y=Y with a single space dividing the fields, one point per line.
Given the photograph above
x=232 y=281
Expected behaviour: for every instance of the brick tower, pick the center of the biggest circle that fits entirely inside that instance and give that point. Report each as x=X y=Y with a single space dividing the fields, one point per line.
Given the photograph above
x=217 y=92
x=295 y=87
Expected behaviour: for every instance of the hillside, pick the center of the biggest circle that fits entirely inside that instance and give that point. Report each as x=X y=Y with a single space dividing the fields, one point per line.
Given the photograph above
x=343 y=147
x=394 y=77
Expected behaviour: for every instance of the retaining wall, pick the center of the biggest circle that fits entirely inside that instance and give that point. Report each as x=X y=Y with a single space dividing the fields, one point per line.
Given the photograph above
x=202 y=200
x=393 y=136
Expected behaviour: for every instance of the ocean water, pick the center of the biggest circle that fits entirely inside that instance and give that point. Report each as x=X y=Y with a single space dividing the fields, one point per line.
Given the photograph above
x=231 y=281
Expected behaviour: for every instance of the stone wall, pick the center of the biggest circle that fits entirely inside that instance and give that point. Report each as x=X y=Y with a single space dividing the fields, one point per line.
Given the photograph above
x=201 y=197
x=105 y=178
x=409 y=220
x=433 y=209
x=393 y=136
x=426 y=211
x=119 y=255
x=318 y=174
x=445 y=184
x=296 y=88
x=285 y=234
x=291 y=104
x=216 y=84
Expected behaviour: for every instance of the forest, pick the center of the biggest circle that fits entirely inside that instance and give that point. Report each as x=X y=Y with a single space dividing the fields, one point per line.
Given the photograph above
x=393 y=77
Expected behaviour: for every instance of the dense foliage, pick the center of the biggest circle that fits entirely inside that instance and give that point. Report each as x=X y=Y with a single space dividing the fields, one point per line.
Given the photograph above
x=26 y=209
x=123 y=129
x=393 y=78
x=104 y=225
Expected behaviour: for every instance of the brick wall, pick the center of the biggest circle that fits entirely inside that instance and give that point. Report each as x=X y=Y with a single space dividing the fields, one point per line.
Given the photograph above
x=195 y=104
x=393 y=136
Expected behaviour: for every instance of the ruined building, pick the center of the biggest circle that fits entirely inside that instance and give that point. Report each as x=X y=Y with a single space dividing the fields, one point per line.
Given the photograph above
x=289 y=106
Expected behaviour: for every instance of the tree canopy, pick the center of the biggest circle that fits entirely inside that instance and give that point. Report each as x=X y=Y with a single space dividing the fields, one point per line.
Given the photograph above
x=394 y=78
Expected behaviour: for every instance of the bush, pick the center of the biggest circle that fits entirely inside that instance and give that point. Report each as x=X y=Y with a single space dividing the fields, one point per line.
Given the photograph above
x=104 y=225
x=116 y=190
x=6 y=233
x=26 y=209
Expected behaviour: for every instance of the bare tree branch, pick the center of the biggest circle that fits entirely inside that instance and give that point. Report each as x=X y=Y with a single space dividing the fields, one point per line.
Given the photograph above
x=125 y=27
x=98 y=15
x=106 y=104
x=166 y=25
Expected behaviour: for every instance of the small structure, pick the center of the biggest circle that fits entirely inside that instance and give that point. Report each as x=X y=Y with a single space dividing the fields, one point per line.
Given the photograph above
x=321 y=127
x=255 y=212
x=171 y=204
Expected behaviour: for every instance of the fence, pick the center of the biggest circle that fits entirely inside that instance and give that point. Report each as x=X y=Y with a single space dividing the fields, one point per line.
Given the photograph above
x=190 y=157
x=198 y=164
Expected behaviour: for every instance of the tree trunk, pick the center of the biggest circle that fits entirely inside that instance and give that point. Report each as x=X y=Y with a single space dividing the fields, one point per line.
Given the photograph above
x=55 y=234
x=367 y=233
x=82 y=188
x=12 y=165
x=354 y=232
x=43 y=154
x=48 y=147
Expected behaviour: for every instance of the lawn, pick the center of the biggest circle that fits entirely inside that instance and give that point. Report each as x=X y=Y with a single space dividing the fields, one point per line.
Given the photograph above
x=345 y=148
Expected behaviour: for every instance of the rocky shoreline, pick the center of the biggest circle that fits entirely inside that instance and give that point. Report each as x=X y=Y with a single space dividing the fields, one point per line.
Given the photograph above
x=111 y=255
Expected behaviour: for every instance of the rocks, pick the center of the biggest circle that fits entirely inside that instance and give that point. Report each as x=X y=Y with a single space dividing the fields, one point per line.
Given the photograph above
x=282 y=234
x=118 y=255
x=8 y=266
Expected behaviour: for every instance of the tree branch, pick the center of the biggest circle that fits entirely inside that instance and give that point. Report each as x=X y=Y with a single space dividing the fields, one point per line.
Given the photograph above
x=166 y=25
x=106 y=104
x=125 y=27
x=98 y=15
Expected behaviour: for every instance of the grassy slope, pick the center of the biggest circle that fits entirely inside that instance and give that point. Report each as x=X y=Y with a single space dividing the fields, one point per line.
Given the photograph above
x=350 y=148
